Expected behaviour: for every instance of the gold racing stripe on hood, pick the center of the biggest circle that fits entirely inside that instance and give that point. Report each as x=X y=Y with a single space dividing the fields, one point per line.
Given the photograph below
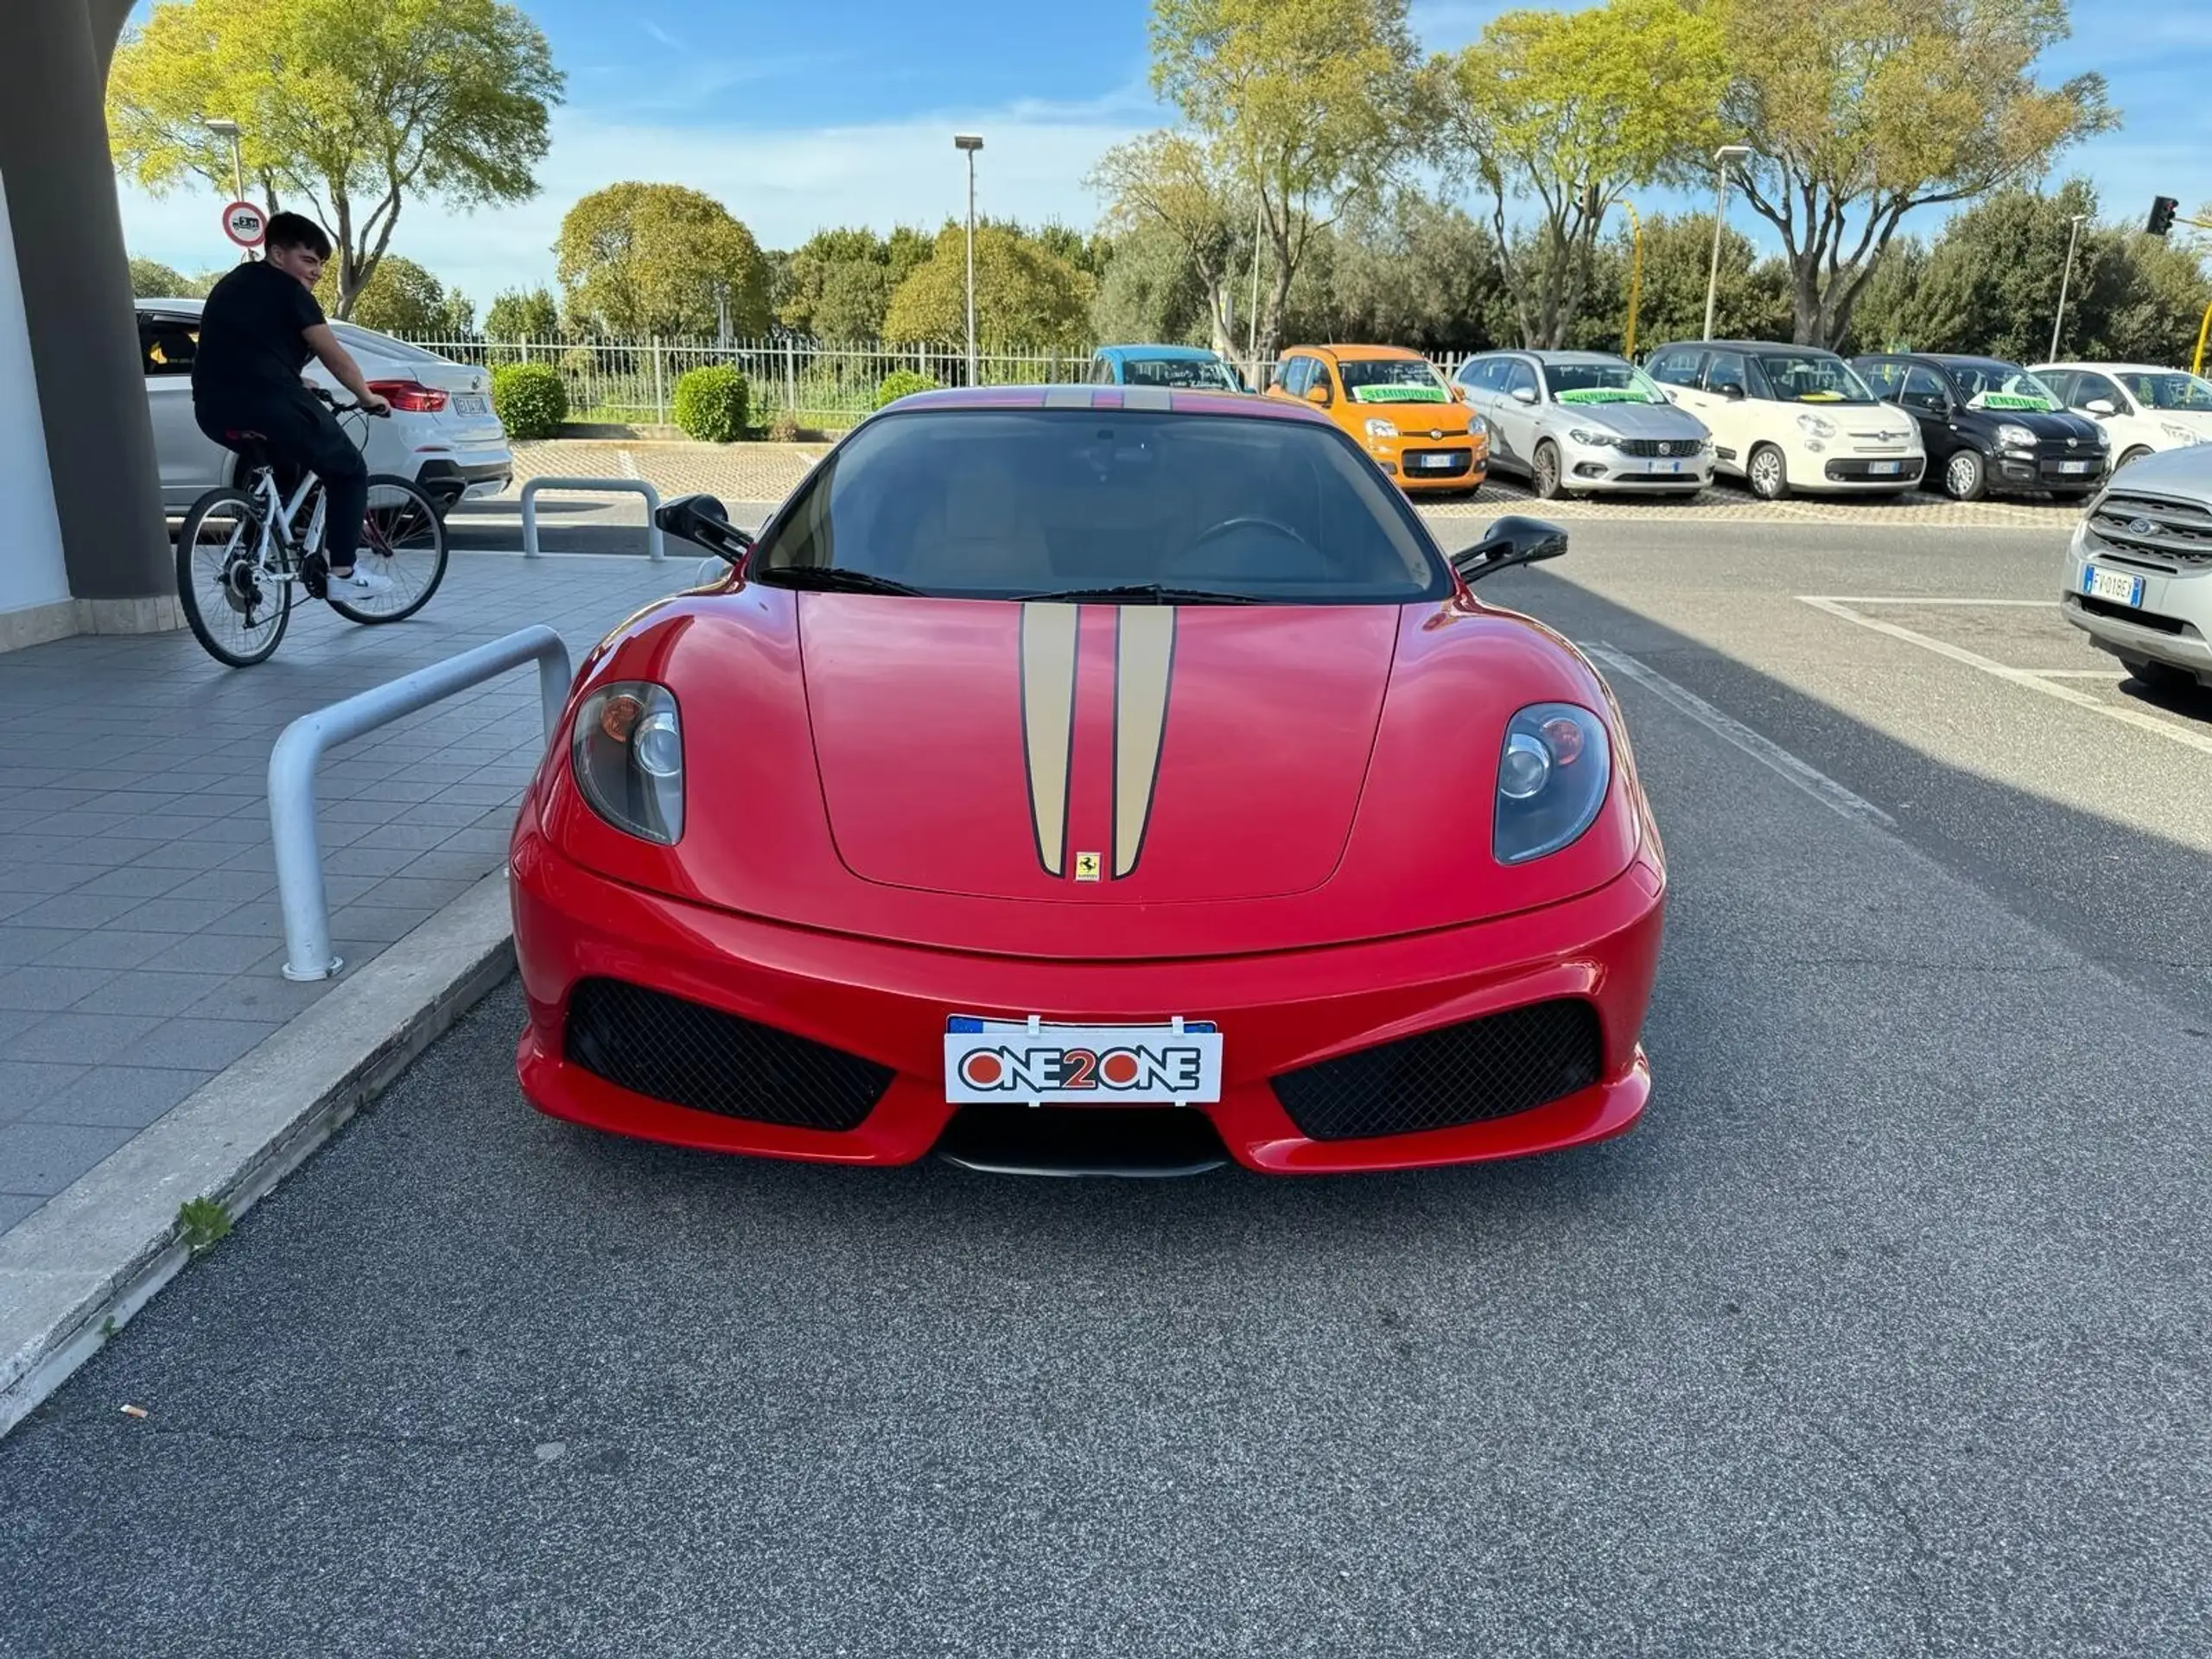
x=1144 y=664
x=1048 y=642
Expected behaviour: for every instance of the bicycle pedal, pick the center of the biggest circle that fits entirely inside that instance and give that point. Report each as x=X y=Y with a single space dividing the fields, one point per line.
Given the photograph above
x=314 y=575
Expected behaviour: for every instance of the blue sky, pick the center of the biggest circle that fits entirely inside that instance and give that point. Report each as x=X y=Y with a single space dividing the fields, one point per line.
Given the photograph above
x=798 y=116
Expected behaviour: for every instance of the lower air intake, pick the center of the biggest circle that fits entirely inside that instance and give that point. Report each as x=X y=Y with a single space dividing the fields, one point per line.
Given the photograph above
x=694 y=1055
x=1468 y=1073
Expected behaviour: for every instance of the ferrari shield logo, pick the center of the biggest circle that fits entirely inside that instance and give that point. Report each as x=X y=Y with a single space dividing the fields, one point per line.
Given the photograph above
x=1086 y=867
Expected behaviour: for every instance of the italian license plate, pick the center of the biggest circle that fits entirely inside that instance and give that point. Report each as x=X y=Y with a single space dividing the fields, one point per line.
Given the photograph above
x=470 y=402
x=1436 y=463
x=2073 y=466
x=1030 y=1062
x=2114 y=584
x=1883 y=468
x=1666 y=467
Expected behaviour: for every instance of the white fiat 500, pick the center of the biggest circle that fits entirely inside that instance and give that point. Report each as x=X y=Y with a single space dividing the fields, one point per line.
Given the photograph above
x=1789 y=418
x=442 y=433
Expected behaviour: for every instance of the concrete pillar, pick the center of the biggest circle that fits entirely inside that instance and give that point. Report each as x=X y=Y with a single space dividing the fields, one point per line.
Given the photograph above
x=67 y=230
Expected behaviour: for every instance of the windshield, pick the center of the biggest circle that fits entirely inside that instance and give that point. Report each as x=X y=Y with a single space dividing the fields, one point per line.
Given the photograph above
x=2170 y=389
x=1204 y=373
x=1812 y=377
x=1601 y=383
x=995 y=504
x=1392 y=380
x=2002 y=385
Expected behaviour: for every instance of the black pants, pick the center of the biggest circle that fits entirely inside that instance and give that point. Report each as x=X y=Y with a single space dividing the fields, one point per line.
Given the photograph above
x=297 y=432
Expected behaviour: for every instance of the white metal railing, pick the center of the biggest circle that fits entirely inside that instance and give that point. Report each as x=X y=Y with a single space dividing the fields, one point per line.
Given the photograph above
x=656 y=550
x=300 y=747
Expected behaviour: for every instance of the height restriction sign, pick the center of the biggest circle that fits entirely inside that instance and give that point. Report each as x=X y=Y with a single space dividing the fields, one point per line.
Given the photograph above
x=245 y=224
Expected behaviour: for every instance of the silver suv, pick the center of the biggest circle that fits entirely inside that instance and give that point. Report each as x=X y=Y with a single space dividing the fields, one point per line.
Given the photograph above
x=2139 y=570
x=1577 y=421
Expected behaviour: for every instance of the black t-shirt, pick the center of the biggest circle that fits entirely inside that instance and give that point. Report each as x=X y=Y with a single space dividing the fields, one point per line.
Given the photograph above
x=249 y=335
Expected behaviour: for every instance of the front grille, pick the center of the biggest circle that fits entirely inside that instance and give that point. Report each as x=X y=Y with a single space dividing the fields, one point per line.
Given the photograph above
x=694 y=1055
x=1457 y=461
x=1657 y=448
x=1468 y=1073
x=2166 y=534
x=2127 y=614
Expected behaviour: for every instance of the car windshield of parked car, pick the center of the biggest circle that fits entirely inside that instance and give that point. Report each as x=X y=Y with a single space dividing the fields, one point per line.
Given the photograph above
x=1812 y=377
x=1195 y=373
x=1392 y=380
x=2170 y=389
x=1115 y=505
x=2003 y=385
x=1601 y=383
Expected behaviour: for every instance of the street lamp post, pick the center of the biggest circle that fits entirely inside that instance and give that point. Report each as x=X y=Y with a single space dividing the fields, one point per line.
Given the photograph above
x=1721 y=158
x=227 y=129
x=970 y=143
x=2065 y=278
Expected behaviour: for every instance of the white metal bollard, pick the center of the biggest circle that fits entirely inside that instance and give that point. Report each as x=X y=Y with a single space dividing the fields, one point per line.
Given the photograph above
x=655 y=549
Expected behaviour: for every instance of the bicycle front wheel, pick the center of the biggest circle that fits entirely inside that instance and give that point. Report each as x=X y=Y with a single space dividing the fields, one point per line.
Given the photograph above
x=403 y=541
x=237 y=609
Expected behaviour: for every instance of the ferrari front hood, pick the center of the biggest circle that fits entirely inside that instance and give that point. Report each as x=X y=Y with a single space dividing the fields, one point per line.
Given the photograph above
x=1092 y=753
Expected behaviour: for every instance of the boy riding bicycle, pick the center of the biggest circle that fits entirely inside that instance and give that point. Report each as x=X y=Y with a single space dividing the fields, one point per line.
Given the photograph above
x=258 y=329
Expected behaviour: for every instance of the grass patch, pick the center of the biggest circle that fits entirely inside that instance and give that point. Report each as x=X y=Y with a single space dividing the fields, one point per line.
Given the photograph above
x=203 y=1222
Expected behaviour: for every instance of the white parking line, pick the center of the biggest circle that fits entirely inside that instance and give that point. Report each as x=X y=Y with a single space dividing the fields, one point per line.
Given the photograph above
x=1888 y=599
x=1816 y=784
x=2032 y=679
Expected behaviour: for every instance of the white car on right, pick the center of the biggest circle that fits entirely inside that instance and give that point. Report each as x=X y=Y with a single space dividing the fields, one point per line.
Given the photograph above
x=2139 y=571
x=2142 y=408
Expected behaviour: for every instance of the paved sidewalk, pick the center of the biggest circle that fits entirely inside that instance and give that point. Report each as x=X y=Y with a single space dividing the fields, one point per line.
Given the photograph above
x=140 y=938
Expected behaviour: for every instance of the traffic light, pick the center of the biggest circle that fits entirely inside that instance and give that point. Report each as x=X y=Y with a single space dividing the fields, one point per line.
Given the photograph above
x=2162 y=215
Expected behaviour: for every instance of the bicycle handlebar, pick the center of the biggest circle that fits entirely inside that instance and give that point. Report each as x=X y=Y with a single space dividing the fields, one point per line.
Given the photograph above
x=337 y=407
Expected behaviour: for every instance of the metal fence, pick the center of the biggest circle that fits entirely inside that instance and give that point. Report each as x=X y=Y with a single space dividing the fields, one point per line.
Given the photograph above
x=819 y=385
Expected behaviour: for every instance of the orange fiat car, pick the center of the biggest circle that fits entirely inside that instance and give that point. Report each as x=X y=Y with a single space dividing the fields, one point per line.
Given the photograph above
x=1396 y=406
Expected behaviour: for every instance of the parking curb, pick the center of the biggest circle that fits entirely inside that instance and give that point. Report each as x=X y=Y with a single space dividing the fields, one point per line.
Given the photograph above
x=79 y=1268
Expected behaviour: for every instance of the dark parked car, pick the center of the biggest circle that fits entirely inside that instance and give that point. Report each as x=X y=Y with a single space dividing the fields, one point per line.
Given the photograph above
x=1992 y=425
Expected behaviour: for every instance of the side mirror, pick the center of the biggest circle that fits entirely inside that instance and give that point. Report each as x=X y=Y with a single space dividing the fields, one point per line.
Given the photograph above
x=704 y=520
x=1734 y=394
x=2102 y=408
x=1524 y=394
x=1458 y=392
x=1319 y=394
x=1509 y=541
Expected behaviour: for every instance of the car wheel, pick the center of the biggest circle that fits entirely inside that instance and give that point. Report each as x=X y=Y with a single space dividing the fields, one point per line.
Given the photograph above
x=1768 y=474
x=1965 y=478
x=1543 y=472
x=2160 y=677
x=2136 y=453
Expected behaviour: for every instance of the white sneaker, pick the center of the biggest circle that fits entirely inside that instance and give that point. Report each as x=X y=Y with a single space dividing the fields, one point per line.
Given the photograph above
x=359 y=584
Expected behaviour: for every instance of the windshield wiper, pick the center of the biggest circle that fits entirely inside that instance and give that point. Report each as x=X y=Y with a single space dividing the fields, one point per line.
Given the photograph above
x=1144 y=592
x=832 y=579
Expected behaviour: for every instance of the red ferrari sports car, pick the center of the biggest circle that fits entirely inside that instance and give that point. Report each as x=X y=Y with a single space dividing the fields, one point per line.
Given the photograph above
x=1099 y=779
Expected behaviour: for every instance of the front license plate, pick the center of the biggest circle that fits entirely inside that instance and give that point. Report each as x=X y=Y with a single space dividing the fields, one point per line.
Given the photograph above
x=2073 y=466
x=1178 y=1063
x=1666 y=466
x=2114 y=584
x=1436 y=463
x=470 y=402
x=1883 y=468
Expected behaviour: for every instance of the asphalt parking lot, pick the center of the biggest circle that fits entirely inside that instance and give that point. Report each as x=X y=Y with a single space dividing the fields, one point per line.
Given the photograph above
x=1884 y=1334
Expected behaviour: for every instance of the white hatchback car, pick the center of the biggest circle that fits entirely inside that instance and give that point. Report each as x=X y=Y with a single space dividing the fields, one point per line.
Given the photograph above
x=2143 y=409
x=1791 y=417
x=442 y=433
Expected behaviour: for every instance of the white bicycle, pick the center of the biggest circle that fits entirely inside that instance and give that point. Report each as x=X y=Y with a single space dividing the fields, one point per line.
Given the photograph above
x=244 y=549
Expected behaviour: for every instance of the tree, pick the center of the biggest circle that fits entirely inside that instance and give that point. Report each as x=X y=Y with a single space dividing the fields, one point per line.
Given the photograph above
x=152 y=280
x=1411 y=271
x=1169 y=183
x=856 y=296
x=354 y=108
x=402 y=298
x=1153 y=292
x=1563 y=108
x=1307 y=102
x=1860 y=114
x=1025 y=296
x=1750 y=300
x=523 y=313
x=652 y=259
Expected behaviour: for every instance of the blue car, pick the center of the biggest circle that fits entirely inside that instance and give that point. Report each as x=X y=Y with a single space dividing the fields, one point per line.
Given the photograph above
x=1182 y=367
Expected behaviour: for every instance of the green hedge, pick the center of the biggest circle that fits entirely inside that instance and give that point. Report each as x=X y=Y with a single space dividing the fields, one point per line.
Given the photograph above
x=711 y=403
x=529 y=398
x=902 y=383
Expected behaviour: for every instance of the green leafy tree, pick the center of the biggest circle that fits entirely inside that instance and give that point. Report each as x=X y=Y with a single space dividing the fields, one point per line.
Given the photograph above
x=652 y=259
x=1169 y=188
x=1026 y=297
x=1153 y=291
x=1409 y=271
x=523 y=313
x=1861 y=114
x=1562 y=110
x=1750 y=300
x=856 y=297
x=355 y=109
x=402 y=298
x=809 y=267
x=1307 y=102
x=152 y=280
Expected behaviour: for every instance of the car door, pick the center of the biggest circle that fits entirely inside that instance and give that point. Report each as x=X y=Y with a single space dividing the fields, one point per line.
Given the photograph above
x=1483 y=381
x=1514 y=431
x=189 y=463
x=1727 y=408
x=1923 y=395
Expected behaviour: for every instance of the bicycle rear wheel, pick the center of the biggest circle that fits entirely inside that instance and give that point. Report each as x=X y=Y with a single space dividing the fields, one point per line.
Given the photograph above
x=237 y=611
x=403 y=541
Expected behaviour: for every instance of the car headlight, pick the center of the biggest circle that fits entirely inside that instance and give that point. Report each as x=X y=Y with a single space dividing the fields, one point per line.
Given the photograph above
x=1815 y=426
x=1552 y=776
x=2182 y=433
x=1379 y=428
x=1594 y=439
x=1478 y=427
x=627 y=754
x=2015 y=437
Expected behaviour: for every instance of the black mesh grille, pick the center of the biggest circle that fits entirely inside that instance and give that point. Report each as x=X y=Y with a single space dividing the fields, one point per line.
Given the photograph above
x=1651 y=446
x=691 y=1055
x=1420 y=463
x=1467 y=1073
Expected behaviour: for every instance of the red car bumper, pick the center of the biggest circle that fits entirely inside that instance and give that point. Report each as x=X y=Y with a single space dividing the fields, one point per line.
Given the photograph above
x=888 y=1003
